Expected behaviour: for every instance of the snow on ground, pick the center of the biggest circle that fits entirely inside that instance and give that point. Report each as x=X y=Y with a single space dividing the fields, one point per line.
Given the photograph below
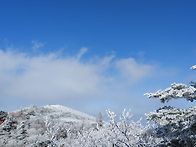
x=39 y=126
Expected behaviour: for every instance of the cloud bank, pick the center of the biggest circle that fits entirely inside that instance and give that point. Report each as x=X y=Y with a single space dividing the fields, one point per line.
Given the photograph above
x=37 y=45
x=50 y=76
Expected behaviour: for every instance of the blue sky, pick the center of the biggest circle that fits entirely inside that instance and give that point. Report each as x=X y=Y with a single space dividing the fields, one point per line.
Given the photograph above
x=114 y=51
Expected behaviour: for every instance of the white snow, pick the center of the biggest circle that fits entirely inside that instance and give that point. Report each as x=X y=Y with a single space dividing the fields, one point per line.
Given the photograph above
x=175 y=91
x=68 y=114
x=193 y=67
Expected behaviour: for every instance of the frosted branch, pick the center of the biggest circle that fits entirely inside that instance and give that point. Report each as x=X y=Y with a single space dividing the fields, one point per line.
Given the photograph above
x=177 y=90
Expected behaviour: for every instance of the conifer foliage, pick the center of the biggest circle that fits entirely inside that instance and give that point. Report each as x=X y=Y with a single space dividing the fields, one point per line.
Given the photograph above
x=176 y=127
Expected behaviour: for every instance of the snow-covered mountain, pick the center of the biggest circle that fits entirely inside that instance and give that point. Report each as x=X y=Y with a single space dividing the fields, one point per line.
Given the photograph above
x=59 y=126
x=37 y=126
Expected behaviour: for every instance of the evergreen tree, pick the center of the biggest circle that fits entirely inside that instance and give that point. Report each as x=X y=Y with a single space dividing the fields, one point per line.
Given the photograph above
x=176 y=127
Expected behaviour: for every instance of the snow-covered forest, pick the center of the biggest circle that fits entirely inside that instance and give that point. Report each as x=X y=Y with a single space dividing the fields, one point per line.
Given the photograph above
x=59 y=126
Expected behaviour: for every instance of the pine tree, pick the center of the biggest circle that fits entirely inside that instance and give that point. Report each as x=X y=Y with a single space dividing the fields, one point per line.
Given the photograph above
x=176 y=127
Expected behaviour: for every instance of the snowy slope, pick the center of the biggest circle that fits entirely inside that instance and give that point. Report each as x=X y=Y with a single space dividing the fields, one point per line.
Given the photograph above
x=66 y=114
x=37 y=126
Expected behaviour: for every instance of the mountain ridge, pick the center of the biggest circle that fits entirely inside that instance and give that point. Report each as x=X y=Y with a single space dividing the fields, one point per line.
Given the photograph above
x=33 y=126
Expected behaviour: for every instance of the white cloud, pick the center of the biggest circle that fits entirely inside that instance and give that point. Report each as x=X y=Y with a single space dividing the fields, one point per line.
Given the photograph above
x=81 y=53
x=133 y=70
x=37 y=45
x=49 y=76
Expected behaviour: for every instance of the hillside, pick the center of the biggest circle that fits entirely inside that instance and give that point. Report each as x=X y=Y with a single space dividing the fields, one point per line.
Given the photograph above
x=37 y=126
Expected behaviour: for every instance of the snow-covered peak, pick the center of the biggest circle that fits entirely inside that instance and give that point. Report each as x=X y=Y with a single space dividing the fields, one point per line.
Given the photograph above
x=55 y=112
x=60 y=108
x=36 y=126
x=62 y=112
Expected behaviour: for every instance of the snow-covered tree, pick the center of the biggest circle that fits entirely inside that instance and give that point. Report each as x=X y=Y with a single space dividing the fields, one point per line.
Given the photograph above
x=177 y=127
x=119 y=132
x=99 y=120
